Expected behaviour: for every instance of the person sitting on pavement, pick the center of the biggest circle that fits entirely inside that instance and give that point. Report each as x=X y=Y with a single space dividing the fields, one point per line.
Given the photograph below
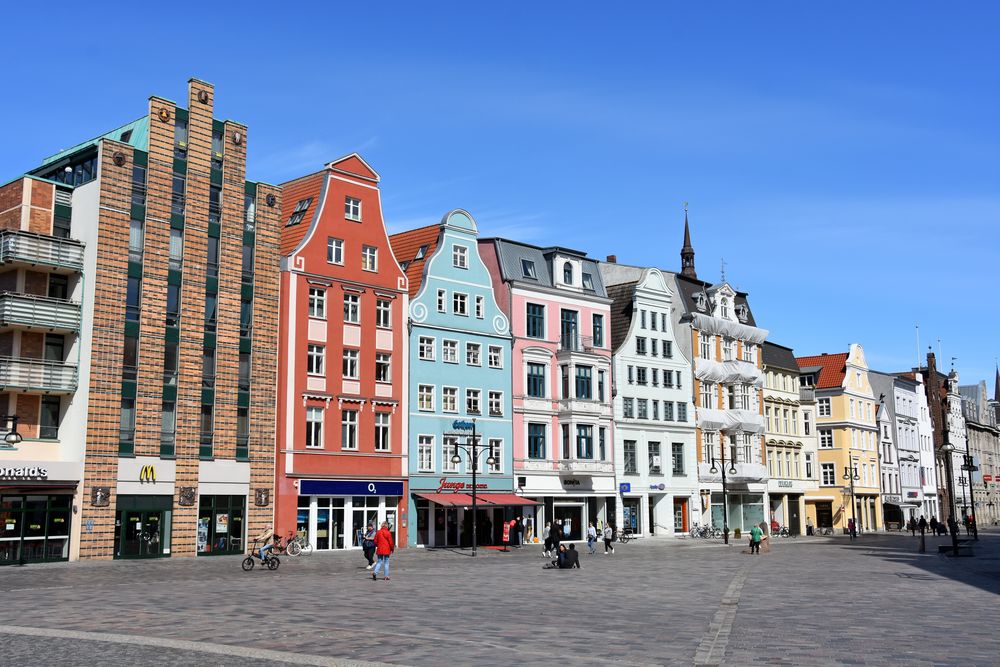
x=560 y=555
x=570 y=559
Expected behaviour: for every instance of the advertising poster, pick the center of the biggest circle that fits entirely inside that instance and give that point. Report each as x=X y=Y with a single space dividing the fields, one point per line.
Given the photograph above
x=202 y=534
x=221 y=523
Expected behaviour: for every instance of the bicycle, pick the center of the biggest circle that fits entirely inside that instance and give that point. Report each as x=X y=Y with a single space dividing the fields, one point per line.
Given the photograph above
x=626 y=535
x=269 y=561
x=299 y=545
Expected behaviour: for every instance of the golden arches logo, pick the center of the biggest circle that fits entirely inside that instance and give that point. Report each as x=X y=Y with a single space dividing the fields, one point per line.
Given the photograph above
x=147 y=474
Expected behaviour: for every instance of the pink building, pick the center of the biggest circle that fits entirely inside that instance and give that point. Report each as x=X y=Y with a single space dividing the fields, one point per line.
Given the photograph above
x=561 y=365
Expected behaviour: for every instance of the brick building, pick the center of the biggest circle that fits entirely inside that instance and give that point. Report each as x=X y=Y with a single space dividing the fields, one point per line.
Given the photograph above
x=138 y=342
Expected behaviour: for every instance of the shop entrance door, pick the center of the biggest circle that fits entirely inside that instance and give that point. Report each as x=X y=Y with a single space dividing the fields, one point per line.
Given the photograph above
x=140 y=533
x=365 y=511
x=794 y=519
x=630 y=511
x=680 y=515
x=824 y=515
x=572 y=520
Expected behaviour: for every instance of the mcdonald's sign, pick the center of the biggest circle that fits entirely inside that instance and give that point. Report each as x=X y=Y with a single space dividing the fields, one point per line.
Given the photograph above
x=148 y=474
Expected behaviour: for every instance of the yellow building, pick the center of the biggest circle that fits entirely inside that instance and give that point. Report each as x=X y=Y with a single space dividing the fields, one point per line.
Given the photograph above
x=848 y=441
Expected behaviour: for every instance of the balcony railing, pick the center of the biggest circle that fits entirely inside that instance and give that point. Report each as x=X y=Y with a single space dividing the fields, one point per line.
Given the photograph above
x=584 y=466
x=38 y=312
x=574 y=343
x=17 y=247
x=24 y=374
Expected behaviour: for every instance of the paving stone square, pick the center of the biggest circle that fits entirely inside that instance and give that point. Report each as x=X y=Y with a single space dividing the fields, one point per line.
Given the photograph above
x=809 y=601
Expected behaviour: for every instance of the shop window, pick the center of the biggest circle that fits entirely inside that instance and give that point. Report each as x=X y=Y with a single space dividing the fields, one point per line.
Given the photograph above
x=221 y=527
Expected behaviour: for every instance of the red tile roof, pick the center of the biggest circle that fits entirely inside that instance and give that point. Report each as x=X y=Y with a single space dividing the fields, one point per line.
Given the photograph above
x=834 y=368
x=292 y=193
x=405 y=246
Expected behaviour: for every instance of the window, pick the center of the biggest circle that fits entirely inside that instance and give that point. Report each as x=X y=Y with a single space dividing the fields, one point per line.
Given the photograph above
x=177 y=195
x=565 y=441
x=583 y=382
x=383 y=313
x=472 y=354
x=767 y=418
x=352 y=208
x=441 y=297
x=176 y=249
x=421 y=253
x=449 y=351
x=631 y=374
x=425 y=453
x=208 y=367
x=630 y=462
x=584 y=441
x=299 y=212
x=334 y=250
x=496 y=451
x=784 y=421
x=642 y=408
x=640 y=345
x=588 y=282
x=668 y=378
x=598 y=330
x=642 y=319
x=668 y=411
x=600 y=386
x=350 y=364
x=352 y=308
x=724 y=308
x=705 y=346
x=349 y=429
x=656 y=409
x=748 y=352
x=449 y=399
x=48 y=419
x=207 y=430
x=170 y=362
x=138 y=185
x=130 y=358
x=536 y=441
x=852 y=409
x=382 y=367
x=460 y=256
x=640 y=375
x=425 y=348
x=212 y=258
x=828 y=476
x=472 y=402
x=460 y=303
x=536 y=380
x=706 y=395
x=708 y=445
x=244 y=372
x=668 y=349
x=825 y=438
x=568 y=273
x=317 y=303
x=823 y=407
x=315 y=358
x=480 y=307
x=214 y=203
x=682 y=412
x=246 y=270
x=677 y=452
x=602 y=443
x=369 y=258
x=653 y=449
x=382 y=431
x=535 y=321
x=528 y=269
x=314 y=428
x=652 y=347
x=727 y=349
x=806 y=422
x=135 y=240
x=126 y=429
x=449 y=450
x=628 y=408
x=495 y=356
x=663 y=321
x=496 y=403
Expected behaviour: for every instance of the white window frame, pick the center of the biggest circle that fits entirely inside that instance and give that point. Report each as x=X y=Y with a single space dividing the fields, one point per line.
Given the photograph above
x=449 y=351
x=449 y=447
x=460 y=304
x=317 y=303
x=824 y=407
x=478 y=400
x=334 y=250
x=473 y=354
x=315 y=359
x=460 y=256
x=314 y=426
x=827 y=471
x=425 y=397
x=442 y=301
x=495 y=356
x=383 y=360
x=425 y=453
x=383 y=431
x=425 y=348
x=351 y=358
x=480 y=307
x=823 y=432
x=449 y=399
x=495 y=398
x=369 y=258
x=352 y=308
x=496 y=444
x=383 y=313
x=352 y=208
x=351 y=443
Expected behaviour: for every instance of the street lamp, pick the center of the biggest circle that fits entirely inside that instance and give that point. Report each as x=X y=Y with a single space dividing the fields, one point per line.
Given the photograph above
x=969 y=466
x=725 y=492
x=851 y=473
x=471 y=449
x=12 y=438
x=948 y=448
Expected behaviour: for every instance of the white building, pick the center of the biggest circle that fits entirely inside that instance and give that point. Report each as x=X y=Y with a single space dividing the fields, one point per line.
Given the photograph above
x=925 y=438
x=655 y=458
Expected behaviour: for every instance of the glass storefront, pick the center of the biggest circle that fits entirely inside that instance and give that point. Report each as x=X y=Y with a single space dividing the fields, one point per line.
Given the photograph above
x=335 y=522
x=142 y=526
x=745 y=510
x=34 y=528
x=220 y=525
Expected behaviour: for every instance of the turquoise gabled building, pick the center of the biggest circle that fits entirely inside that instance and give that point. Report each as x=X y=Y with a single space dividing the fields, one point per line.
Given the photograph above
x=458 y=374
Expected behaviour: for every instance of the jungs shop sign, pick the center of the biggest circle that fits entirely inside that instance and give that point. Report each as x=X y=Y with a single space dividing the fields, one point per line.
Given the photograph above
x=30 y=472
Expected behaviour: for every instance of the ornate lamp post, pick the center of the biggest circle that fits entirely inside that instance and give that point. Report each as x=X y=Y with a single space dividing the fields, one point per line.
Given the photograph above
x=969 y=465
x=947 y=448
x=471 y=449
x=725 y=490
x=851 y=474
x=12 y=438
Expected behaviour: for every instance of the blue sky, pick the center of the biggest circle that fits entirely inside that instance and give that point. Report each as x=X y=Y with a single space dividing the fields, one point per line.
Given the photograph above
x=841 y=158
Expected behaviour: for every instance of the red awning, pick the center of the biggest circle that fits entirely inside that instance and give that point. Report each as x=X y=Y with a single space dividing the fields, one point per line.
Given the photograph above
x=448 y=499
x=506 y=499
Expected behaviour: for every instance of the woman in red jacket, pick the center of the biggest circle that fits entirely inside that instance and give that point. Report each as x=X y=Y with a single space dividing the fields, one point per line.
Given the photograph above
x=384 y=546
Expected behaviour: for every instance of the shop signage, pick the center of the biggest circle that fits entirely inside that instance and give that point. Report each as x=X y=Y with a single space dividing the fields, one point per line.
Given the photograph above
x=987 y=478
x=458 y=487
x=891 y=499
x=463 y=425
x=506 y=532
x=28 y=472
x=911 y=494
x=625 y=487
x=571 y=482
x=147 y=474
x=349 y=487
x=784 y=483
x=657 y=487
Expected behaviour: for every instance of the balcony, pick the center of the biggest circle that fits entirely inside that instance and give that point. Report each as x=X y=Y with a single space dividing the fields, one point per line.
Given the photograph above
x=581 y=466
x=37 y=375
x=807 y=394
x=570 y=344
x=30 y=249
x=580 y=406
x=27 y=311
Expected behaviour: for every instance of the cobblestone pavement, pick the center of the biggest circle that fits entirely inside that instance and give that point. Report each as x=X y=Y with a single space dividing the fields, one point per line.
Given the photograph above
x=810 y=601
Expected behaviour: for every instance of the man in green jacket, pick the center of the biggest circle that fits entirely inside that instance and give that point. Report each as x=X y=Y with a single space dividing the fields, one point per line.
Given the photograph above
x=756 y=535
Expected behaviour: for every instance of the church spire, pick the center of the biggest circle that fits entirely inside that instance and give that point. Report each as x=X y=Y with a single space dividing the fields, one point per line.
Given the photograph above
x=687 y=252
x=996 y=387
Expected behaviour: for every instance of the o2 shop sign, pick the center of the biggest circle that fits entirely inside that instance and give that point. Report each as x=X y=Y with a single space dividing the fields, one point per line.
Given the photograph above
x=24 y=472
x=349 y=487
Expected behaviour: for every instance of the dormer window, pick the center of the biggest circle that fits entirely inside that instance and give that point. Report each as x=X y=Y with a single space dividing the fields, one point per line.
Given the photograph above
x=421 y=253
x=528 y=269
x=588 y=282
x=724 y=308
x=568 y=273
x=742 y=313
x=299 y=212
x=699 y=300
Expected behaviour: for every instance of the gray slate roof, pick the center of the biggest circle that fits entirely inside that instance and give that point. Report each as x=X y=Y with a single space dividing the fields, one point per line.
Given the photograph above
x=511 y=253
x=779 y=356
x=688 y=287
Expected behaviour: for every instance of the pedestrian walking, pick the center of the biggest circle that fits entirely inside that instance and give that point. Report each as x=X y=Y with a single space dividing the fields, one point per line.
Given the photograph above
x=515 y=532
x=756 y=535
x=368 y=545
x=809 y=526
x=384 y=546
x=556 y=534
x=609 y=537
x=852 y=528
x=912 y=526
x=934 y=525
x=547 y=551
x=591 y=538
x=922 y=524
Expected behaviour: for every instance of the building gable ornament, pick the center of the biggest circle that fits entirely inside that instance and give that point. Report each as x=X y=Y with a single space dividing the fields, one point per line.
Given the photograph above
x=307 y=396
x=351 y=399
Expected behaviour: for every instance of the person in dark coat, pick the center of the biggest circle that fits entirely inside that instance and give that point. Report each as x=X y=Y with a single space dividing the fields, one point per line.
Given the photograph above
x=934 y=525
x=922 y=525
x=555 y=534
x=570 y=559
x=516 y=529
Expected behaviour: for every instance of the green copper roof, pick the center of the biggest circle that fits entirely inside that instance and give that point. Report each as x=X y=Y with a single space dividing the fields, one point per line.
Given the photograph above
x=139 y=139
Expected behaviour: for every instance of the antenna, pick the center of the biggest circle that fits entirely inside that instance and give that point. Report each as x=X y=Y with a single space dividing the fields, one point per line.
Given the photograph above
x=723 y=269
x=939 y=349
x=917 y=327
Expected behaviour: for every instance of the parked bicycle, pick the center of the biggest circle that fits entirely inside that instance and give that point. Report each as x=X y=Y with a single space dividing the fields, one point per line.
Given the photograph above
x=705 y=532
x=625 y=535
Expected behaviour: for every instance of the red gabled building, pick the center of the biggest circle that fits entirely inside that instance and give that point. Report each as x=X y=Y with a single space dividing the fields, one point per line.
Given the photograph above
x=341 y=458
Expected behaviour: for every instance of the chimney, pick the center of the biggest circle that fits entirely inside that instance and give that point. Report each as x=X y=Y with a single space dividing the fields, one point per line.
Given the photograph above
x=612 y=259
